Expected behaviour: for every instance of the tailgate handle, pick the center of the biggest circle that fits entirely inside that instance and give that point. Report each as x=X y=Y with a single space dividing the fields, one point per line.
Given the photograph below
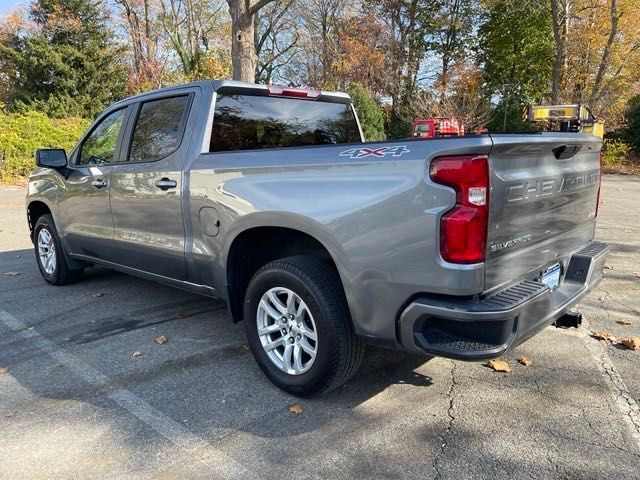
x=564 y=152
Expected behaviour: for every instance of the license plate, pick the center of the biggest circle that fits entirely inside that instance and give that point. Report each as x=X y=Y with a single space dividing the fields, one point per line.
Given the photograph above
x=551 y=276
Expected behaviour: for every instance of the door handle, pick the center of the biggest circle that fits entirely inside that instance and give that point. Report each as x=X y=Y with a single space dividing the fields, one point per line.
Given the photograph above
x=166 y=183
x=99 y=183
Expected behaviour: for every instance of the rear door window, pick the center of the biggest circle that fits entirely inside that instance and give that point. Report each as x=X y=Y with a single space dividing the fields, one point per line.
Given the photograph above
x=246 y=122
x=159 y=129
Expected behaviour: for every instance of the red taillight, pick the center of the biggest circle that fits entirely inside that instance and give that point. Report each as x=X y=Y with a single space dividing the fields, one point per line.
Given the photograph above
x=281 y=91
x=463 y=229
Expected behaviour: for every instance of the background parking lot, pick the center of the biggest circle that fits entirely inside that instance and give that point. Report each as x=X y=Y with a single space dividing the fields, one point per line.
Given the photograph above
x=77 y=403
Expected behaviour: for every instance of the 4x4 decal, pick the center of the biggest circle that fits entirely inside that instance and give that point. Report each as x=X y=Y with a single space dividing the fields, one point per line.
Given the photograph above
x=379 y=152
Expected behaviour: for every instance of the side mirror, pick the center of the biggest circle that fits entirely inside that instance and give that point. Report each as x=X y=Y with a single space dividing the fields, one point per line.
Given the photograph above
x=51 y=157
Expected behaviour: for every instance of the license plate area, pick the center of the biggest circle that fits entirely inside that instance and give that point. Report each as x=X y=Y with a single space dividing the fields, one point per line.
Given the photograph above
x=551 y=276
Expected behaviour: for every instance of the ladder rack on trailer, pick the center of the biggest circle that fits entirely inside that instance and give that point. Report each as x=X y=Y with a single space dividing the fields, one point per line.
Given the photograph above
x=576 y=118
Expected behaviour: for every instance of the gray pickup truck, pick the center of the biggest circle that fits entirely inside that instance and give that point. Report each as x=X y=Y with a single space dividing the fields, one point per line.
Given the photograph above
x=268 y=198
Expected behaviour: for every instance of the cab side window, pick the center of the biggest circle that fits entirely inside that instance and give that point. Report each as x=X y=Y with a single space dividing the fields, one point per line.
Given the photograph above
x=159 y=128
x=100 y=146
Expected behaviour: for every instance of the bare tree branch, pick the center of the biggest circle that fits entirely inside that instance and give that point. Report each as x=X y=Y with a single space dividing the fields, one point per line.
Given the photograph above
x=257 y=6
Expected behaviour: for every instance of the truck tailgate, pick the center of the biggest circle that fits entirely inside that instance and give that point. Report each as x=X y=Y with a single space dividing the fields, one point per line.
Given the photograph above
x=543 y=197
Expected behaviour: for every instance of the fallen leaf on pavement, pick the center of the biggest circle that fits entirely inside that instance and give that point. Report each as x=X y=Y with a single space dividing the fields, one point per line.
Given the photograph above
x=137 y=354
x=603 y=335
x=601 y=299
x=526 y=361
x=97 y=295
x=12 y=274
x=499 y=365
x=183 y=314
x=245 y=347
x=623 y=322
x=632 y=343
x=296 y=409
x=608 y=267
x=160 y=339
x=3 y=370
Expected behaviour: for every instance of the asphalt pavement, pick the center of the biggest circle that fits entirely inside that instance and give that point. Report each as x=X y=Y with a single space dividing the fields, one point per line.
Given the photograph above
x=90 y=394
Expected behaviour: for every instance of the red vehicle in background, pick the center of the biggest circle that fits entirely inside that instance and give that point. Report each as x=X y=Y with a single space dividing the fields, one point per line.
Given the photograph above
x=436 y=127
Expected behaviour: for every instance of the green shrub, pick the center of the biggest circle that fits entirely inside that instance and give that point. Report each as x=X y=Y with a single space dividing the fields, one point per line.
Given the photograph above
x=21 y=134
x=615 y=152
x=369 y=112
x=632 y=132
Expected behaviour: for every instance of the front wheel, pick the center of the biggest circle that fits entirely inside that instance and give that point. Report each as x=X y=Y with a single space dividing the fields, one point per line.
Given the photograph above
x=298 y=326
x=50 y=254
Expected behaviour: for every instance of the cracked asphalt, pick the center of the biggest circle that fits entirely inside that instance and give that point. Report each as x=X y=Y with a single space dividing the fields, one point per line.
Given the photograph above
x=76 y=403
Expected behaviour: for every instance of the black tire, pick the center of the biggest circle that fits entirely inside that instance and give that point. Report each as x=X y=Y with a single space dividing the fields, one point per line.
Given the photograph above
x=339 y=350
x=60 y=274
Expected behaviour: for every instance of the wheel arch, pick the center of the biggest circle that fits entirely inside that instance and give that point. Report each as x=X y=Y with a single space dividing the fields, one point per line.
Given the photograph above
x=36 y=209
x=251 y=248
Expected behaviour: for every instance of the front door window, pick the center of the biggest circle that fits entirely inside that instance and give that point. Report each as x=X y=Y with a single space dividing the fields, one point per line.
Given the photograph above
x=100 y=146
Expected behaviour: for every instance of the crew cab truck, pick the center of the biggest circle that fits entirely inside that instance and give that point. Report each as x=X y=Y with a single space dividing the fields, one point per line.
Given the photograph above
x=268 y=198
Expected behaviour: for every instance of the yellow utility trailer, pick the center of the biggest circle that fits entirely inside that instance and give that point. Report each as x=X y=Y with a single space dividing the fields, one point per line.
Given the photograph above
x=566 y=118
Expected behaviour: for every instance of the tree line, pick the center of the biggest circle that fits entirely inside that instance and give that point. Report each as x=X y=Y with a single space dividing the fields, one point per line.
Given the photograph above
x=482 y=61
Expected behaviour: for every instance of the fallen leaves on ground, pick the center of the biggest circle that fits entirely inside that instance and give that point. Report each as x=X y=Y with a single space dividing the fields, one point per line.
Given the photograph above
x=526 y=361
x=160 y=339
x=12 y=274
x=296 y=409
x=245 y=347
x=3 y=370
x=183 y=314
x=608 y=267
x=137 y=354
x=499 y=365
x=632 y=343
x=623 y=322
x=97 y=294
x=603 y=335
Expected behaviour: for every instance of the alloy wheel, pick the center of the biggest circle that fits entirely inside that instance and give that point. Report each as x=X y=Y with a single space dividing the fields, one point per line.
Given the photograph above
x=287 y=330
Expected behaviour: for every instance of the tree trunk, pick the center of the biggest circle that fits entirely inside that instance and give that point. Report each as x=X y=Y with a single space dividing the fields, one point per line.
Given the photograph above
x=596 y=91
x=243 y=50
x=444 y=78
x=560 y=20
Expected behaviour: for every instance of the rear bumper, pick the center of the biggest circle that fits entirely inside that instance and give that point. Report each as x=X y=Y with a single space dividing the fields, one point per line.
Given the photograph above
x=477 y=329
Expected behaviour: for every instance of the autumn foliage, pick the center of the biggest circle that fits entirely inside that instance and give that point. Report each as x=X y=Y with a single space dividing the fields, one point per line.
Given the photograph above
x=481 y=61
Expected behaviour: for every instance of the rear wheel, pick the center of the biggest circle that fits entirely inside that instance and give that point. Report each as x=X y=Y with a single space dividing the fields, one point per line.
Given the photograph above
x=50 y=255
x=298 y=326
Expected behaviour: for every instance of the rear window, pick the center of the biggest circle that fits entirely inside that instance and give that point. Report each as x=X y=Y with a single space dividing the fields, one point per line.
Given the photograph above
x=245 y=122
